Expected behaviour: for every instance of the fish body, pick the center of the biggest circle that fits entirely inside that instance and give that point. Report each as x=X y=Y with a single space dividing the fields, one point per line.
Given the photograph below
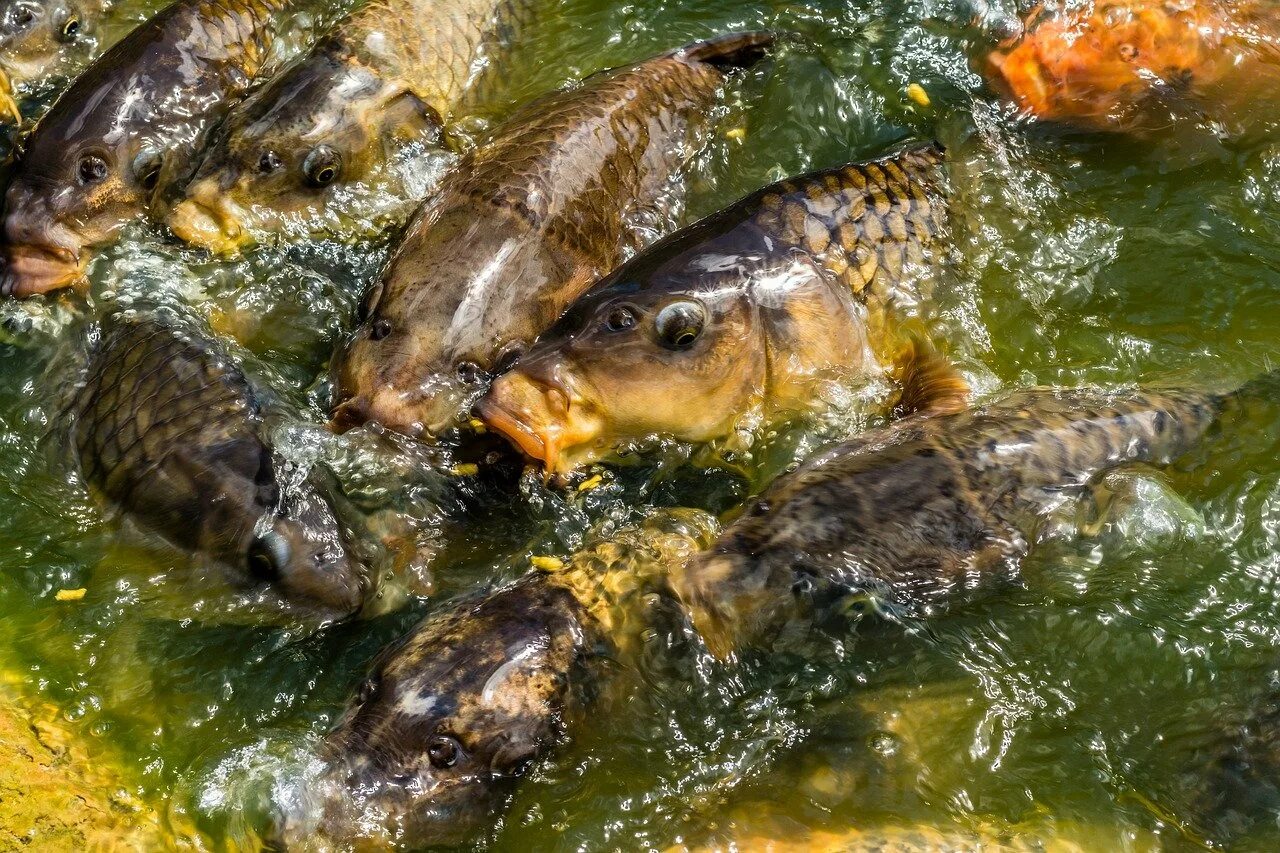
x=168 y=430
x=1137 y=65
x=94 y=160
x=295 y=156
x=520 y=230
x=750 y=308
x=928 y=509
x=431 y=746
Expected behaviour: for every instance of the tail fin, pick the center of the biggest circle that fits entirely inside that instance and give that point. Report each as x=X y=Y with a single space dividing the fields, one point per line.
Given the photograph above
x=731 y=50
x=1264 y=388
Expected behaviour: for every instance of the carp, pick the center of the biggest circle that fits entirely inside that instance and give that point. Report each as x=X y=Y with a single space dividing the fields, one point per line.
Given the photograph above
x=168 y=430
x=748 y=310
x=520 y=230
x=1140 y=65
x=94 y=162
x=435 y=739
x=42 y=37
x=306 y=153
x=929 y=510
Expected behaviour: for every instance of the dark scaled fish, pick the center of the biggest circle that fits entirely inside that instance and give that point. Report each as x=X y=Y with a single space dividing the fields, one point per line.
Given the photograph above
x=93 y=162
x=520 y=230
x=922 y=512
x=432 y=745
x=1144 y=65
x=168 y=430
x=746 y=312
x=322 y=148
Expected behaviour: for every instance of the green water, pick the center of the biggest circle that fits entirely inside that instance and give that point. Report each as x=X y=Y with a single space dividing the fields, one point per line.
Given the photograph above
x=1086 y=704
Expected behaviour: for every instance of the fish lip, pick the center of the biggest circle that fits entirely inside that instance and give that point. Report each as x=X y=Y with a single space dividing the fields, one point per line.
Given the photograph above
x=498 y=418
x=215 y=229
x=34 y=269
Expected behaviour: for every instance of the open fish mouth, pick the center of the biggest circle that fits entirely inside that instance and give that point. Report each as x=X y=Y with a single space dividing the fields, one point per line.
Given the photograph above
x=216 y=229
x=31 y=270
x=8 y=104
x=535 y=445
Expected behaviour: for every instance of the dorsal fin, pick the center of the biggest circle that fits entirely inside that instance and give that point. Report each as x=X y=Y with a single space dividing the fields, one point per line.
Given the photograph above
x=930 y=384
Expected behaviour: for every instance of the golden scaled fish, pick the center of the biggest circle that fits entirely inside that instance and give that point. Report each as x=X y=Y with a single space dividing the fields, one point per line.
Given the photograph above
x=169 y=431
x=747 y=311
x=929 y=510
x=436 y=739
x=520 y=230
x=93 y=162
x=323 y=148
x=1137 y=65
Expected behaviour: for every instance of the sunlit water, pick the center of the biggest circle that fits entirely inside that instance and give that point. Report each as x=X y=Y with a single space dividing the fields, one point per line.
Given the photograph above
x=1086 y=704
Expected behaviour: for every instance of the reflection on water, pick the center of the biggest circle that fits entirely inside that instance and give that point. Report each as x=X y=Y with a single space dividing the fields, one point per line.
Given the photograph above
x=1083 y=705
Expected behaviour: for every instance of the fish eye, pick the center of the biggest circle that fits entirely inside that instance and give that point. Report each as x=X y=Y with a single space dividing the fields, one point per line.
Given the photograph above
x=269 y=162
x=91 y=169
x=679 y=324
x=620 y=319
x=381 y=328
x=368 y=689
x=321 y=166
x=70 y=28
x=267 y=557
x=146 y=168
x=443 y=752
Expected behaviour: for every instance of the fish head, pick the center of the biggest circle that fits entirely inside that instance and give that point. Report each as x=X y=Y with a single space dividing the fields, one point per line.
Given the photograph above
x=454 y=307
x=36 y=34
x=681 y=347
x=301 y=556
x=76 y=185
x=287 y=160
x=447 y=721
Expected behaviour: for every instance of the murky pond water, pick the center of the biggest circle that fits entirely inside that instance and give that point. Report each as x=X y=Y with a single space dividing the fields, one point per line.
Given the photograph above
x=1084 y=705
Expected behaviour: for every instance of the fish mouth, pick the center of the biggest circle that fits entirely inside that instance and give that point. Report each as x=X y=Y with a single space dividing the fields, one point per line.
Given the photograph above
x=213 y=227
x=8 y=105
x=31 y=270
x=547 y=421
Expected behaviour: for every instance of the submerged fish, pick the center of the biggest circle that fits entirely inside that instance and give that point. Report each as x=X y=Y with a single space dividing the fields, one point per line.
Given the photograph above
x=919 y=513
x=93 y=161
x=39 y=37
x=168 y=430
x=747 y=310
x=1140 y=65
x=520 y=230
x=304 y=154
x=430 y=748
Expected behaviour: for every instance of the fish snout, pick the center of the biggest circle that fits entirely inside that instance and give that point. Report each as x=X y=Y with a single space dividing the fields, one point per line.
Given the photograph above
x=310 y=569
x=209 y=220
x=542 y=415
x=33 y=269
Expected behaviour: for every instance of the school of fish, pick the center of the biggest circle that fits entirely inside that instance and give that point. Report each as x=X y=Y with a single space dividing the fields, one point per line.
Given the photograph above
x=542 y=290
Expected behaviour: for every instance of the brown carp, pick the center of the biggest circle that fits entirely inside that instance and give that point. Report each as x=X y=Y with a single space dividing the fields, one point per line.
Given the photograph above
x=93 y=161
x=747 y=310
x=922 y=512
x=520 y=230
x=320 y=150
x=168 y=430
x=451 y=716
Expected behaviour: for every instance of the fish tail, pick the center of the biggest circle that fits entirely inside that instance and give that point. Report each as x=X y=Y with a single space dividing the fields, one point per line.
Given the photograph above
x=731 y=50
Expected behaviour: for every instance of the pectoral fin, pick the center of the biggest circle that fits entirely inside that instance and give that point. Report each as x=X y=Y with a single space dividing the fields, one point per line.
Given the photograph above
x=929 y=383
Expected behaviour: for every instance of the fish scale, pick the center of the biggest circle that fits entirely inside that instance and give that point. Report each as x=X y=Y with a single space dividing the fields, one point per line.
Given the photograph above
x=927 y=510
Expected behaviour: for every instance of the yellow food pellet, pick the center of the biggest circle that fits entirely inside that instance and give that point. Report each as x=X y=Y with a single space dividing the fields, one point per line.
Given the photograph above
x=590 y=483
x=547 y=564
x=738 y=133
x=478 y=426
x=917 y=93
x=466 y=469
x=70 y=594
